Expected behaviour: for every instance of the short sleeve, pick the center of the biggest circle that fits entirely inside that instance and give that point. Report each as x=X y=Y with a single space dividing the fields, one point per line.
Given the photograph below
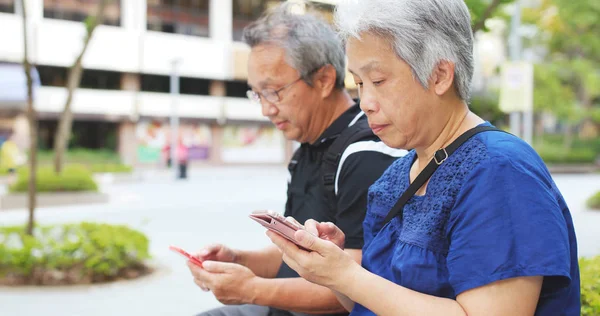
x=507 y=223
x=359 y=171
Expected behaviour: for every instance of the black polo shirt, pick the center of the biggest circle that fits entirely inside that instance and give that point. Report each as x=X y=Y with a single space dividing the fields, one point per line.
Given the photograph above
x=362 y=162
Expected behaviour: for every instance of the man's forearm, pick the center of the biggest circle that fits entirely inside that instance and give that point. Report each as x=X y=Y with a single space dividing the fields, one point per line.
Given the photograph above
x=264 y=263
x=296 y=294
x=344 y=300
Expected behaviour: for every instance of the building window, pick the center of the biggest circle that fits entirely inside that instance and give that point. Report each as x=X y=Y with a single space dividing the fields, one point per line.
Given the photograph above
x=87 y=134
x=90 y=79
x=247 y=11
x=188 y=17
x=80 y=10
x=236 y=89
x=52 y=76
x=322 y=9
x=194 y=86
x=100 y=79
x=155 y=83
x=7 y=6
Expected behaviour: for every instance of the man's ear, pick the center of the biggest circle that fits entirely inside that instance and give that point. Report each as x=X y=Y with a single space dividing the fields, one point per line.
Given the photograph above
x=324 y=80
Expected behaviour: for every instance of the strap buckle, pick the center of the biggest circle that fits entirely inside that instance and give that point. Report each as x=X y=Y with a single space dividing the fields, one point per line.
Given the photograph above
x=329 y=179
x=441 y=160
x=331 y=158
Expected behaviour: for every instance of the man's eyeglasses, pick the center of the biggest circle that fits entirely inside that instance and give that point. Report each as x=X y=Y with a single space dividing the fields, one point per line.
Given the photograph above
x=272 y=95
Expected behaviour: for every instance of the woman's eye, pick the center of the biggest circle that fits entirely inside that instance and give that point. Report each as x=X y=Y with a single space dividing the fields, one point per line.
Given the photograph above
x=359 y=84
x=377 y=83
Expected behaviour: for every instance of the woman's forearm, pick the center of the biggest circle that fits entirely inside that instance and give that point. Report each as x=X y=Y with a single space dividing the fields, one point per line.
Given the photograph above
x=383 y=297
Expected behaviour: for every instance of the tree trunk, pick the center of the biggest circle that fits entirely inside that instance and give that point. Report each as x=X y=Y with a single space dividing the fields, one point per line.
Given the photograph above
x=568 y=142
x=63 y=132
x=584 y=98
x=31 y=115
x=539 y=130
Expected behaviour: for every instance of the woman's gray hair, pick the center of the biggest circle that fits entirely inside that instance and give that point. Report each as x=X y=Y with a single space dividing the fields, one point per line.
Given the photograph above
x=423 y=33
x=310 y=42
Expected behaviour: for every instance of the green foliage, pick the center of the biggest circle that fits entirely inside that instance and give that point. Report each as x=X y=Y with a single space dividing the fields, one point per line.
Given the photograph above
x=569 y=80
x=551 y=93
x=82 y=156
x=559 y=155
x=110 y=168
x=552 y=150
x=590 y=286
x=94 y=249
x=478 y=8
x=72 y=178
x=95 y=160
x=594 y=201
x=487 y=107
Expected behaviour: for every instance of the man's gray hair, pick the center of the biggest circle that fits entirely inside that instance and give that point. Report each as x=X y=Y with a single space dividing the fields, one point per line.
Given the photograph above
x=310 y=42
x=423 y=33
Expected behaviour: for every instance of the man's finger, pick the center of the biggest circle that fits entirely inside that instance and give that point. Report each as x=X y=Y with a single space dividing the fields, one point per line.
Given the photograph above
x=220 y=267
x=199 y=273
x=208 y=251
x=202 y=286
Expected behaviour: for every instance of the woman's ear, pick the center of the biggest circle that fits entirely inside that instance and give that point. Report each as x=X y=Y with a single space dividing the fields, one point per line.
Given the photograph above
x=443 y=77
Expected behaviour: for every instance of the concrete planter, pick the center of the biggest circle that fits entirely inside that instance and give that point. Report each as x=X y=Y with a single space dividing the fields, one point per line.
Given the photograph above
x=117 y=178
x=19 y=200
x=573 y=168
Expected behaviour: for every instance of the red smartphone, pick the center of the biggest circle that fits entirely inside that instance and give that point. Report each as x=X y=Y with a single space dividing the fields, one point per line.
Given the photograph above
x=188 y=256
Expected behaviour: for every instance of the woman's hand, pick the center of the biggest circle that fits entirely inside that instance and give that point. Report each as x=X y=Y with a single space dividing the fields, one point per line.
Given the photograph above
x=326 y=264
x=326 y=231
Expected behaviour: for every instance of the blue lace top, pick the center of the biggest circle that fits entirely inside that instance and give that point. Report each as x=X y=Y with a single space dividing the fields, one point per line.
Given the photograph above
x=491 y=212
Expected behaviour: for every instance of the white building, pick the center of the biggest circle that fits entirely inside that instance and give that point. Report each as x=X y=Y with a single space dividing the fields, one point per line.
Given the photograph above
x=124 y=101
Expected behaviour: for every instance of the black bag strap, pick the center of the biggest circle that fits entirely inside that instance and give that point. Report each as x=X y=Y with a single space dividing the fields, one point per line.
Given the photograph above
x=439 y=158
x=331 y=159
x=294 y=161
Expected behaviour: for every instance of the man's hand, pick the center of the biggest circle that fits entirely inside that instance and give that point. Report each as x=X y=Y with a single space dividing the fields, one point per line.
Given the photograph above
x=231 y=283
x=218 y=252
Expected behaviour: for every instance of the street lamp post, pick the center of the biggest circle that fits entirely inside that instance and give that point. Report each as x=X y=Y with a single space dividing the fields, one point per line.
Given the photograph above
x=174 y=119
x=515 y=55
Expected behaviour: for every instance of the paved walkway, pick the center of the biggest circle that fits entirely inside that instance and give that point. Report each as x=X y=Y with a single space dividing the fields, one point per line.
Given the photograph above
x=191 y=214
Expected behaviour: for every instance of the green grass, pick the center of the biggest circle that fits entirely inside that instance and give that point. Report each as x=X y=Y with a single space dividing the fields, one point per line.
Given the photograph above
x=590 y=286
x=552 y=150
x=97 y=161
x=594 y=201
x=82 y=156
x=73 y=178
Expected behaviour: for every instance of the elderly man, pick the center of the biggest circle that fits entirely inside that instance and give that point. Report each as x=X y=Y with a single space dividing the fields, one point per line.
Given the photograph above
x=296 y=73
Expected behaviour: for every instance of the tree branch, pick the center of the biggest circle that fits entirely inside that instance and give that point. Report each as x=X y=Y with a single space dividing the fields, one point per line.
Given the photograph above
x=480 y=24
x=61 y=138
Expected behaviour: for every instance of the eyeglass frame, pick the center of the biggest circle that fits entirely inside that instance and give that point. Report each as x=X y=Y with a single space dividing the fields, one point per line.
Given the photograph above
x=256 y=97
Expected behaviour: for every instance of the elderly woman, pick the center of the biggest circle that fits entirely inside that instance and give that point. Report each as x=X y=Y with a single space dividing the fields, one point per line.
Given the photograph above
x=488 y=233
